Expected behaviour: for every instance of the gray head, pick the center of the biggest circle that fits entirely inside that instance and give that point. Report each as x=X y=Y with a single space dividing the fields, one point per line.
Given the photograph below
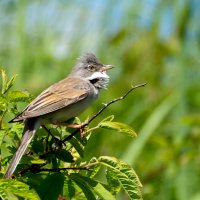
x=89 y=67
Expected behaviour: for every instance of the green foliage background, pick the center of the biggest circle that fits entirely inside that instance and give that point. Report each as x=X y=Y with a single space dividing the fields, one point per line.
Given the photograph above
x=153 y=41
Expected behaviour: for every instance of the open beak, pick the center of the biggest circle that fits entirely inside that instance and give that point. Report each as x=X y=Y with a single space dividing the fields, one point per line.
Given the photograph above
x=106 y=67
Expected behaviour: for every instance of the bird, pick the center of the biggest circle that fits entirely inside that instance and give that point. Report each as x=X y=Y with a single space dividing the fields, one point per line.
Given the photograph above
x=61 y=101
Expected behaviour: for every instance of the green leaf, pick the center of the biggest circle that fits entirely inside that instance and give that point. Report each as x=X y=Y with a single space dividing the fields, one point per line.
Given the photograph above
x=3 y=99
x=51 y=187
x=38 y=161
x=38 y=146
x=11 y=82
x=64 y=155
x=4 y=81
x=93 y=169
x=77 y=145
x=18 y=96
x=81 y=140
x=84 y=187
x=14 y=188
x=6 y=85
x=2 y=107
x=118 y=126
x=68 y=189
x=113 y=182
x=94 y=185
x=109 y=118
x=125 y=174
x=7 y=196
x=3 y=103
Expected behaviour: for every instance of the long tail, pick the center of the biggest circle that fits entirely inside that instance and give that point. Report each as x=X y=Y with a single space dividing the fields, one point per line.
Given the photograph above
x=31 y=126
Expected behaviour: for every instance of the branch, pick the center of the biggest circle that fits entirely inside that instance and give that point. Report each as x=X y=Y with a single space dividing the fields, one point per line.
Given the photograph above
x=36 y=169
x=59 y=142
x=84 y=124
x=115 y=100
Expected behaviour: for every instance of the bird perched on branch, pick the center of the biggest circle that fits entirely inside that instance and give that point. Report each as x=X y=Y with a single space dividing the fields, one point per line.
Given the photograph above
x=62 y=101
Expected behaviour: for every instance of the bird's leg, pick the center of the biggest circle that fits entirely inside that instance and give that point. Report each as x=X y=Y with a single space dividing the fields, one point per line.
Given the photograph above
x=80 y=127
x=76 y=126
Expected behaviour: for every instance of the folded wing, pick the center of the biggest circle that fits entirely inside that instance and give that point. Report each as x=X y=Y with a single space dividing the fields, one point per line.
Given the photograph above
x=57 y=96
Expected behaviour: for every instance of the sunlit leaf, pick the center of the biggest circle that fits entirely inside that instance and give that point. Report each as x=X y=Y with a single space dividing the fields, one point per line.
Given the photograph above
x=4 y=81
x=38 y=161
x=113 y=182
x=11 y=82
x=126 y=176
x=17 y=188
x=18 y=96
x=93 y=169
x=118 y=126
x=109 y=118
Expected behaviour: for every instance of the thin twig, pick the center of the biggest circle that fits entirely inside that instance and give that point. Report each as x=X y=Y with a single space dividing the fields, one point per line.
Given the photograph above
x=60 y=142
x=70 y=136
x=61 y=169
x=91 y=164
x=84 y=124
x=37 y=170
x=114 y=100
x=31 y=168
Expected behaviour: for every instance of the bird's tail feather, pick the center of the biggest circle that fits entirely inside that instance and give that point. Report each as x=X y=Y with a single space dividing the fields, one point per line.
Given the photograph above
x=30 y=129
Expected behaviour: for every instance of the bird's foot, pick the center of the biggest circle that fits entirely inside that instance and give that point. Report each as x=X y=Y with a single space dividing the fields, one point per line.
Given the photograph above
x=81 y=127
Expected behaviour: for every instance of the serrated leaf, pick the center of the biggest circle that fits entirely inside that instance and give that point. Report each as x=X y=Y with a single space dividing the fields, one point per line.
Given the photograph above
x=51 y=187
x=64 y=155
x=93 y=169
x=113 y=182
x=7 y=196
x=18 y=96
x=94 y=185
x=13 y=187
x=118 y=126
x=126 y=176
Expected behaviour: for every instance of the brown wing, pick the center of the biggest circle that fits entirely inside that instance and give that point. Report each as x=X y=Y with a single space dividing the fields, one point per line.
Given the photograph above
x=57 y=96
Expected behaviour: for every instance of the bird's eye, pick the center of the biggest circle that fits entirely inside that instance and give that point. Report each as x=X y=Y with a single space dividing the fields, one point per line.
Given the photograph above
x=91 y=68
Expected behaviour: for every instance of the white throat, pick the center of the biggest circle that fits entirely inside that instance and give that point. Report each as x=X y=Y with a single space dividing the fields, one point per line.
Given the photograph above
x=97 y=75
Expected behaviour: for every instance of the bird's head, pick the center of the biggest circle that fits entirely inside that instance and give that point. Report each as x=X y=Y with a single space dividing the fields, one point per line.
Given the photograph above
x=90 y=68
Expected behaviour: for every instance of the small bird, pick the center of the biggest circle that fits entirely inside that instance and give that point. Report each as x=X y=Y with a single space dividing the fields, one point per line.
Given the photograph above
x=62 y=101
